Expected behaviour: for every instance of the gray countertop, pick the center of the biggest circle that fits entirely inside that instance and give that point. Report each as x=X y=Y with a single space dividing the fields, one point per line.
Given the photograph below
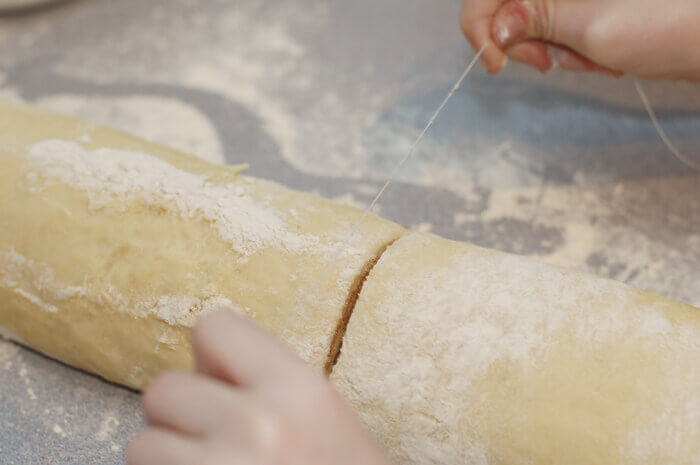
x=327 y=96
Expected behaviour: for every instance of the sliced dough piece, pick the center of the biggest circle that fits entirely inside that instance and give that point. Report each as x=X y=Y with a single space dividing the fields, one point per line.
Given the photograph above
x=111 y=248
x=458 y=354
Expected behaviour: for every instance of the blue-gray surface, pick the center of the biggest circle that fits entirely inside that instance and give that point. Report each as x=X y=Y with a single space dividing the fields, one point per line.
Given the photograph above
x=327 y=96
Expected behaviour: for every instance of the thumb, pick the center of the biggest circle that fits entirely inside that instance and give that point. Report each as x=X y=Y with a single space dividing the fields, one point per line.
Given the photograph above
x=556 y=21
x=547 y=33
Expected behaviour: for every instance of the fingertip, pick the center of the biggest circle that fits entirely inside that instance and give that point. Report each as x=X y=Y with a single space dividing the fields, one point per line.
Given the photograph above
x=478 y=34
x=153 y=395
x=209 y=340
x=212 y=323
x=235 y=350
x=216 y=319
x=494 y=59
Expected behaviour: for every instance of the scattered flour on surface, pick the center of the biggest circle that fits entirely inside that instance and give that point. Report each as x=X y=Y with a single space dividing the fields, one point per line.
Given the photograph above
x=27 y=382
x=237 y=80
x=59 y=431
x=166 y=121
x=108 y=427
x=8 y=350
x=10 y=94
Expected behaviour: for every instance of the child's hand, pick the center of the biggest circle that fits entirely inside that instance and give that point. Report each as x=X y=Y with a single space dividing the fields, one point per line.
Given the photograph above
x=251 y=402
x=649 y=38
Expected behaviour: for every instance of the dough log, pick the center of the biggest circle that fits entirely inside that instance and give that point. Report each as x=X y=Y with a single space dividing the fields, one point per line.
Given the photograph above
x=461 y=355
x=112 y=247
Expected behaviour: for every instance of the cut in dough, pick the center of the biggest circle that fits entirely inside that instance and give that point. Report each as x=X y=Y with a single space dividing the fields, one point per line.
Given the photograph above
x=112 y=247
x=461 y=355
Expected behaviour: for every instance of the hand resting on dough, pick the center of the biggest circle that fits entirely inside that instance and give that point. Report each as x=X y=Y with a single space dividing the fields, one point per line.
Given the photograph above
x=250 y=402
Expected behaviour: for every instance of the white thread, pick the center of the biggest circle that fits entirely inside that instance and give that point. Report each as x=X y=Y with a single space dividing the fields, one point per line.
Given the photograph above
x=674 y=150
x=396 y=170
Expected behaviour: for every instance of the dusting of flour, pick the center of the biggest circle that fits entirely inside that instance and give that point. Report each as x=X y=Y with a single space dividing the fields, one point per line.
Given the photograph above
x=37 y=283
x=114 y=177
x=32 y=281
x=493 y=318
x=516 y=311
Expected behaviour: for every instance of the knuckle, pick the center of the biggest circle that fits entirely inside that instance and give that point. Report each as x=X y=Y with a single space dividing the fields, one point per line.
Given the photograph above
x=543 y=18
x=601 y=37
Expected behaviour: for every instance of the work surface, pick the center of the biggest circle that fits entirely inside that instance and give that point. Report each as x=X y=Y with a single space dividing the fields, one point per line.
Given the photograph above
x=327 y=96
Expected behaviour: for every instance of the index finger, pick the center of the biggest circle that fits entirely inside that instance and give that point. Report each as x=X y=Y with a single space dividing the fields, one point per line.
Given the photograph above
x=235 y=350
x=475 y=20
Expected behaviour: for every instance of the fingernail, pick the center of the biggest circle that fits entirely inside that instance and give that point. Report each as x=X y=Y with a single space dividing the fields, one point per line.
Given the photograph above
x=510 y=26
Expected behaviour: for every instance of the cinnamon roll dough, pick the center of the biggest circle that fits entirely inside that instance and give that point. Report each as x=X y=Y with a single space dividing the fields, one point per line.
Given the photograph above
x=458 y=354
x=112 y=247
